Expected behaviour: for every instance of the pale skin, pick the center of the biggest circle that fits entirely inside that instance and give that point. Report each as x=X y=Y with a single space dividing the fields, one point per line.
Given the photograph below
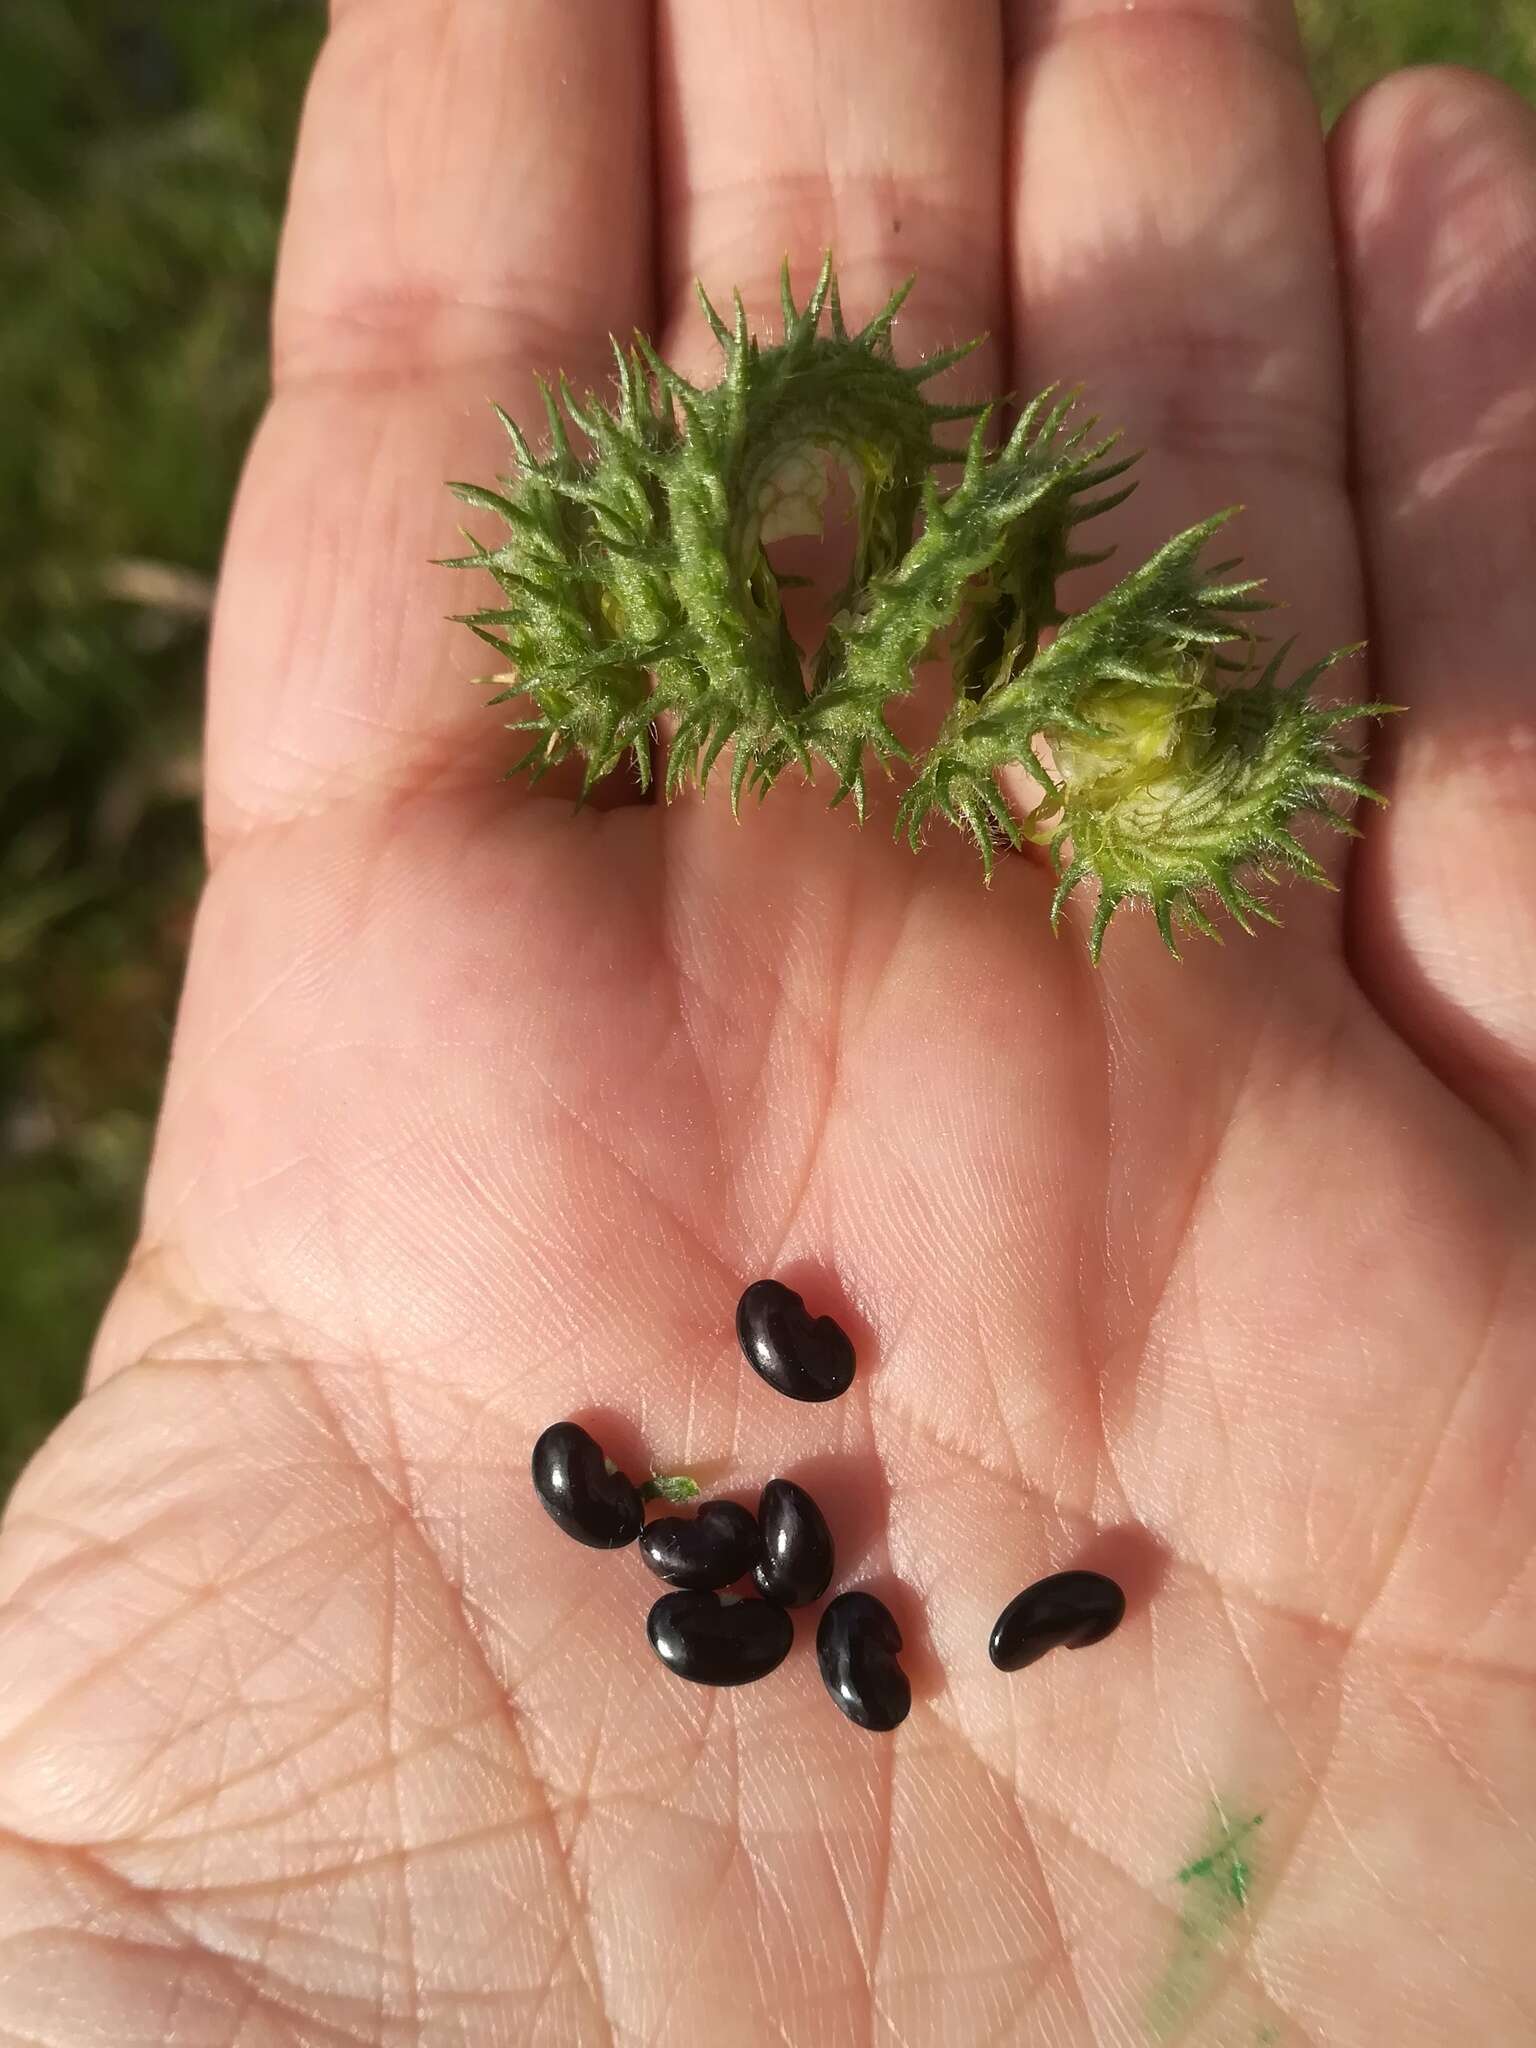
x=312 y=1728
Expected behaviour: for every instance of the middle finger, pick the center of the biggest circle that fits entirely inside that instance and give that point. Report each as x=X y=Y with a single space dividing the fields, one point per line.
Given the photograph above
x=873 y=128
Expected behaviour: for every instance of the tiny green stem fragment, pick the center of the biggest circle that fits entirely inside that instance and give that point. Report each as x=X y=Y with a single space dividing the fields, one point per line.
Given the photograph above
x=677 y=1489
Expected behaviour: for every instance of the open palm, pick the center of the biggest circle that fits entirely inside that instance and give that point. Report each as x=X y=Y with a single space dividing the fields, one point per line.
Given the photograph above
x=312 y=1728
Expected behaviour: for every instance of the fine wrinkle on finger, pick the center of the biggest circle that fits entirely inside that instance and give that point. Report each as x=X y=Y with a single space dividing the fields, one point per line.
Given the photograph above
x=423 y=334
x=880 y=230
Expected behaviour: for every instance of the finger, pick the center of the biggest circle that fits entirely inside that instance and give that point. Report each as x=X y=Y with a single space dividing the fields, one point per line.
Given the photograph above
x=470 y=206
x=872 y=128
x=1435 y=173
x=1173 y=255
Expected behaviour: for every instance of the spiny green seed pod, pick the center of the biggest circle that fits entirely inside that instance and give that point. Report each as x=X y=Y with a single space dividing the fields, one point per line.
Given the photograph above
x=1178 y=796
x=635 y=583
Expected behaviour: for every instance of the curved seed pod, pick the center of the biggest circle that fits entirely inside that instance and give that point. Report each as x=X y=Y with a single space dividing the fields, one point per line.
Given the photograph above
x=635 y=581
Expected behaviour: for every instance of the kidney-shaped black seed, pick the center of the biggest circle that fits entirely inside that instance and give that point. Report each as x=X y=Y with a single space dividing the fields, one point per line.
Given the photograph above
x=856 y=1646
x=796 y=1563
x=1068 y=1610
x=809 y=1358
x=715 y=1547
x=719 y=1642
x=572 y=1480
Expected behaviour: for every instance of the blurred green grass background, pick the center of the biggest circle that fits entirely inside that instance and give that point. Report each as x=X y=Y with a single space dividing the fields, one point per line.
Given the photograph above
x=143 y=157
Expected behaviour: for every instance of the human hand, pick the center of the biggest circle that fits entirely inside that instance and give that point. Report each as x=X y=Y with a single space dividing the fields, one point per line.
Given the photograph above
x=312 y=1728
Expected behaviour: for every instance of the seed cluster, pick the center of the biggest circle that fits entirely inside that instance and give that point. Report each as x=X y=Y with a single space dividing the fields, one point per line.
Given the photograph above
x=709 y=1636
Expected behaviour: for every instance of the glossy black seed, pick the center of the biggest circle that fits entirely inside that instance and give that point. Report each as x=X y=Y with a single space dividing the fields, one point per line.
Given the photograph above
x=719 y=1642
x=715 y=1547
x=856 y=1646
x=1069 y=1610
x=796 y=1562
x=596 y=1506
x=809 y=1358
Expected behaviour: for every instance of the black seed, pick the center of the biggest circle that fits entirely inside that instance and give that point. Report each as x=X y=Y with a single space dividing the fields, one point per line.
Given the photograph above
x=796 y=1564
x=712 y=1548
x=719 y=1642
x=1070 y=1610
x=856 y=1647
x=596 y=1506
x=807 y=1357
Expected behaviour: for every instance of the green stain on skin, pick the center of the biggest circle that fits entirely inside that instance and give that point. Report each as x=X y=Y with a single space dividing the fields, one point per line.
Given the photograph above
x=1223 y=1868
x=1216 y=1886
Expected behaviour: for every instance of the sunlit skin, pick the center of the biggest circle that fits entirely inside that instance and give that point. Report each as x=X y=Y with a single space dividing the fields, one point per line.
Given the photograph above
x=313 y=1727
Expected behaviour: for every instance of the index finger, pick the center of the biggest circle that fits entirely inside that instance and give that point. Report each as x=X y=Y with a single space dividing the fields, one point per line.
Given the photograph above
x=471 y=204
